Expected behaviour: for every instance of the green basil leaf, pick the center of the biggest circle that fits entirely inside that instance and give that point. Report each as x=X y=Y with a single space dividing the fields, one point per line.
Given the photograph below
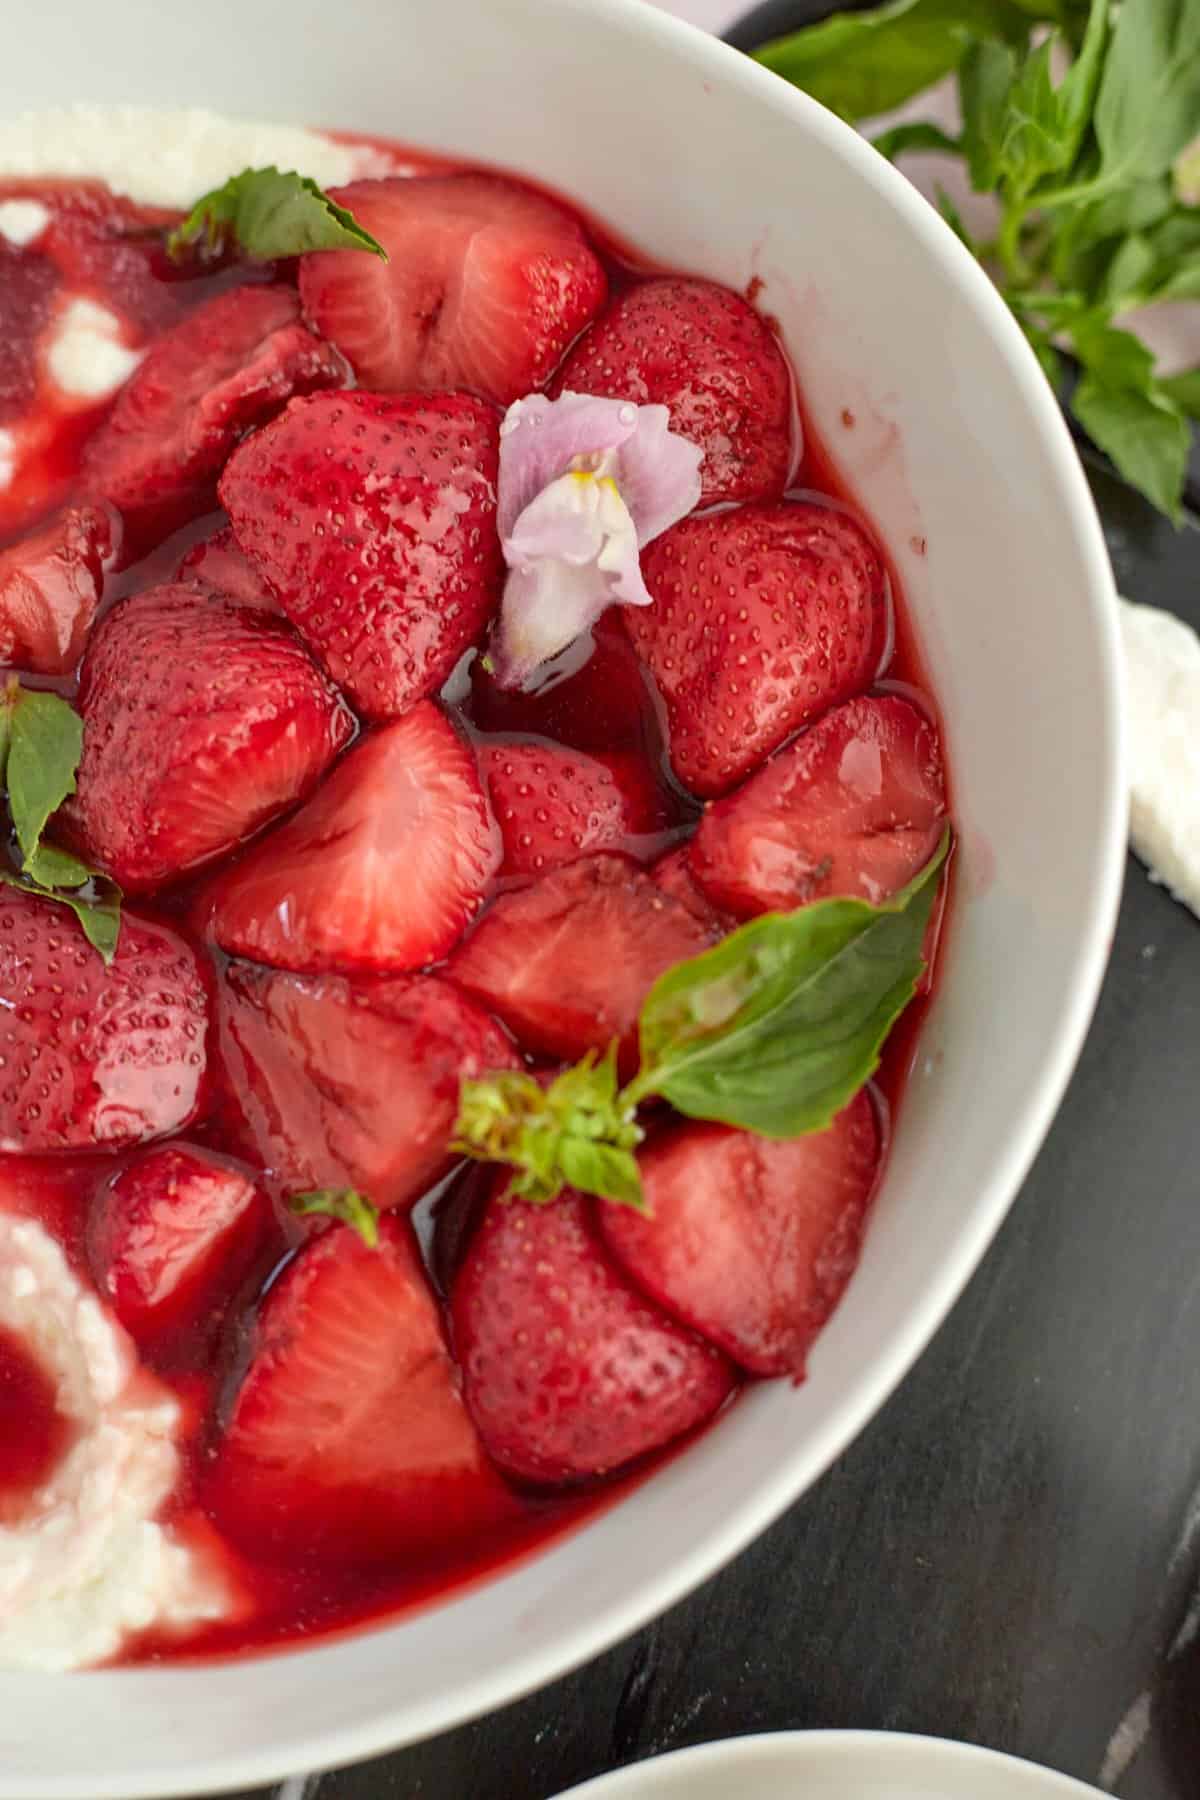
x=1129 y=414
x=865 y=63
x=603 y=1170
x=1185 y=174
x=1131 y=273
x=1149 y=97
x=268 y=214
x=778 y=1027
x=1079 y=86
x=919 y=134
x=985 y=77
x=1181 y=283
x=1034 y=143
x=1184 y=390
x=54 y=868
x=346 y=1205
x=99 y=915
x=45 y=741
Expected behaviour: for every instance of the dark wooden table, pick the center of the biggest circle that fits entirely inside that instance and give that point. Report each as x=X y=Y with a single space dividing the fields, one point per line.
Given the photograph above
x=1010 y=1553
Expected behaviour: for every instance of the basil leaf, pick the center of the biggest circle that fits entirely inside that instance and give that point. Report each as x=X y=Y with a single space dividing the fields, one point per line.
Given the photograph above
x=45 y=742
x=1149 y=97
x=1077 y=91
x=268 y=214
x=1129 y=415
x=346 y=1205
x=864 y=63
x=778 y=1027
x=54 y=868
x=1184 y=390
x=1034 y=142
x=100 y=915
x=917 y=135
x=984 y=80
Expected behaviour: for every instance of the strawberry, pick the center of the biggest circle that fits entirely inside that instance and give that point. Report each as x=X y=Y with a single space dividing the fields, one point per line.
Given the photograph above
x=555 y=805
x=225 y=368
x=374 y=519
x=486 y=285
x=171 y=1238
x=216 y=563
x=28 y=284
x=348 y=1439
x=751 y=1240
x=104 y=246
x=567 y=962
x=672 y=873
x=568 y=1371
x=339 y=1083
x=596 y=697
x=763 y=618
x=50 y=586
x=704 y=353
x=201 y=721
x=96 y=1057
x=855 y=806
x=383 y=869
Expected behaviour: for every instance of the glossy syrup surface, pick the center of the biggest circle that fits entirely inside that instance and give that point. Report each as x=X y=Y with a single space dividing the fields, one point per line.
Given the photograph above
x=289 y=1606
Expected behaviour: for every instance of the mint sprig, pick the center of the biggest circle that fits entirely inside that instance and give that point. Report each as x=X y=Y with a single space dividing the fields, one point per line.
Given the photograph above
x=347 y=1205
x=268 y=214
x=1096 y=175
x=774 y=1031
x=41 y=739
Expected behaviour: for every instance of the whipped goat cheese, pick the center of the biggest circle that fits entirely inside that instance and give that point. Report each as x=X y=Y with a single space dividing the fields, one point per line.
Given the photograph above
x=1162 y=707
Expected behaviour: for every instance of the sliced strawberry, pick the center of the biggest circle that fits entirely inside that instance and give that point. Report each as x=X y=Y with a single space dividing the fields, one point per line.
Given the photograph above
x=673 y=874
x=216 y=563
x=704 y=353
x=383 y=869
x=486 y=285
x=28 y=284
x=172 y=1237
x=567 y=962
x=103 y=245
x=348 y=1439
x=201 y=721
x=223 y=369
x=763 y=618
x=749 y=1240
x=854 y=807
x=554 y=805
x=568 y=1371
x=340 y=1083
x=374 y=519
x=596 y=696
x=50 y=585
x=96 y=1057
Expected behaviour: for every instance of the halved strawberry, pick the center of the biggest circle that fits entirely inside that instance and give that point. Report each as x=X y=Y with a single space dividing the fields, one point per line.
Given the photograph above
x=172 y=1236
x=374 y=519
x=569 y=1372
x=28 y=284
x=854 y=807
x=486 y=285
x=222 y=370
x=704 y=353
x=567 y=962
x=338 y=1083
x=555 y=805
x=595 y=696
x=750 y=1240
x=50 y=585
x=96 y=1057
x=673 y=874
x=216 y=563
x=763 y=618
x=348 y=1439
x=383 y=869
x=201 y=721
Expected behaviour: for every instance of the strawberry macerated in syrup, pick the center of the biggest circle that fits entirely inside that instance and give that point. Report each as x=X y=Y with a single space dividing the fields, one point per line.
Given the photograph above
x=555 y=805
x=704 y=353
x=763 y=617
x=201 y=721
x=567 y=962
x=50 y=585
x=217 y=565
x=338 y=1082
x=597 y=697
x=348 y=1440
x=373 y=517
x=486 y=285
x=96 y=1057
x=28 y=284
x=854 y=807
x=749 y=1240
x=569 y=1372
x=223 y=369
x=382 y=870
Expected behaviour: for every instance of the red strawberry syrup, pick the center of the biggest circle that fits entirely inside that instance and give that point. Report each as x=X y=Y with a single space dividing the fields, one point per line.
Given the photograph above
x=608 y=704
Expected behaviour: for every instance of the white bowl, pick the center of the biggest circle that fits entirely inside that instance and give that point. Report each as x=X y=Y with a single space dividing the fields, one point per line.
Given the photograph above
x=830 y=1765
x=957 y=447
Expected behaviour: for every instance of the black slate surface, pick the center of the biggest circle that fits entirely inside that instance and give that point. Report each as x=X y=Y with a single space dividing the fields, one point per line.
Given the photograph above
x=1010 y=1553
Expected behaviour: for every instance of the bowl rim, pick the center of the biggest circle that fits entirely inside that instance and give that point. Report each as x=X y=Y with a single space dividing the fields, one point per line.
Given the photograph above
x=566 y=1649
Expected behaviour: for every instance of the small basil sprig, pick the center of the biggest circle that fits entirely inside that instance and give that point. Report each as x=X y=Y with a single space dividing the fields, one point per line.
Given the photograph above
x=774 y=1031
x=1086 y=136
x=346 y=1205
x=41 y=740
x=268 y=214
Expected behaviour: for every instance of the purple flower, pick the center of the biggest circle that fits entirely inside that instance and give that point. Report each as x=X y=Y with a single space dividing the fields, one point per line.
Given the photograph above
x=585 y=483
